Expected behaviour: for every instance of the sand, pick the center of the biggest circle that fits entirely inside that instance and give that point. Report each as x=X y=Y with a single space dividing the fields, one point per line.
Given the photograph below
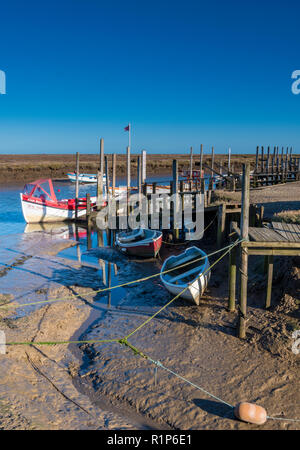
x=108 y=386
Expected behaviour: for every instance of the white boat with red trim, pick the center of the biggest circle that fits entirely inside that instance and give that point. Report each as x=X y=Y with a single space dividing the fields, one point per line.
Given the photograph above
x=39 y=204
x=139 y=242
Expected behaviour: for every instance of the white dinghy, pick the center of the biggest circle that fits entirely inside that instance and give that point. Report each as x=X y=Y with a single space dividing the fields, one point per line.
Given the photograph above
x=193 y=276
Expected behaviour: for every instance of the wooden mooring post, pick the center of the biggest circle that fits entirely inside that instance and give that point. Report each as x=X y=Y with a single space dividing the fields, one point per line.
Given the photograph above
x=114 y=167
x=144 y=165
x=139 y=174
x=100 y=176
x=175 y=191
x=77 y=185
x=232 y=276
x=201 y=159
x=191 y=163
x=107 y=177
x=270 y=263
x=221 y=224
x=244 y=226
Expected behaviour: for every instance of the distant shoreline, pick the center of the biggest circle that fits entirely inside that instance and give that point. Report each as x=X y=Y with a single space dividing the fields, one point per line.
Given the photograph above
x=24 y=168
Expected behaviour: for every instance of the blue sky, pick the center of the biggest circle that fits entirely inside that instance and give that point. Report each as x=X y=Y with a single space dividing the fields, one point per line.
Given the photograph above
x=183 y=73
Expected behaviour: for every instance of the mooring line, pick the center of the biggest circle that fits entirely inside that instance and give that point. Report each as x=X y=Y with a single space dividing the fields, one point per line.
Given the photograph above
x=137 y=352
x=180 y=293
x=282 y=418
x=159 y=364
x=122 y=340
x=91 y=341
x=123 y=284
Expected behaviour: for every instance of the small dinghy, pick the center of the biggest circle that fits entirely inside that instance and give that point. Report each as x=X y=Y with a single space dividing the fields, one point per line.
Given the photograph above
x=84 y=177
x=139 y=242
x=194 y=275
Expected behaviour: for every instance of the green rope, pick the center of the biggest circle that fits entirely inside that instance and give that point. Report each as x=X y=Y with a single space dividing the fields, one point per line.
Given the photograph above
x=92 y=341
x=180 y=293
x=124 y=341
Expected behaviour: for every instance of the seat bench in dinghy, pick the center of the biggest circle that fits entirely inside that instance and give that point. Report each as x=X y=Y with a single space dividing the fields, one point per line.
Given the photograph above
x=190 y=271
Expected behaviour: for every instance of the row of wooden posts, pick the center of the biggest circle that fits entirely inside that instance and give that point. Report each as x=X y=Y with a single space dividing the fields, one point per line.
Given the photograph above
x=266 y=162
x=228 y=180
x=279 y=168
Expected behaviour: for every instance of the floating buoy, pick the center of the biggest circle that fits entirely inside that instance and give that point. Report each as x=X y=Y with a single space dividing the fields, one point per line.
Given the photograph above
x=249 y=412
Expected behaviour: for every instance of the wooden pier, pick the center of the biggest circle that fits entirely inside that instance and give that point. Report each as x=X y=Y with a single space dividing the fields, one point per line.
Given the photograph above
x=276 y=239
x=198 y=178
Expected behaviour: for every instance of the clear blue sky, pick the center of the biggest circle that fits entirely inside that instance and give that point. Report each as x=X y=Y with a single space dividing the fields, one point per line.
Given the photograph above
x=182 y=72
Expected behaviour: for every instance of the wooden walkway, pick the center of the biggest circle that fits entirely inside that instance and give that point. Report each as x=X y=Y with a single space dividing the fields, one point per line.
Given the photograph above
x=278 y=239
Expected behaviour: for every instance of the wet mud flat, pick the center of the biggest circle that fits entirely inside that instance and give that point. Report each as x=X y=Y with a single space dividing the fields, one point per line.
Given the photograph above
x=108 y=386
x=37 y=389
x=200 y=344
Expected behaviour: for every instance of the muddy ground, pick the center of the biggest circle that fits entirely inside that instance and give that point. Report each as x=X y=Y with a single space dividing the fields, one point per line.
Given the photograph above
x=107 y=386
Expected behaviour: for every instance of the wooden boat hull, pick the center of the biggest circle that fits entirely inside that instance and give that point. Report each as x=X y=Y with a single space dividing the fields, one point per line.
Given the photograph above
x=147 y=248
x=35 y=212
x=193 y=289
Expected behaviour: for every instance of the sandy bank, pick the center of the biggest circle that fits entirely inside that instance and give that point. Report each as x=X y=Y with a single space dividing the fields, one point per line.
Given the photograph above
x=36 y=389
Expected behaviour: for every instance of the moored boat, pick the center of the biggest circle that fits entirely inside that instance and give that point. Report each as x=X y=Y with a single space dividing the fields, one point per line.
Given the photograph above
x=84 y=177
x=189 y=270
x=39 y=204
x=139 y=242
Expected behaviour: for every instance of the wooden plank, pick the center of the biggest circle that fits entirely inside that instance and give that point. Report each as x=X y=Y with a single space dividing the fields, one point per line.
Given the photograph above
x=278 y=244
x=273 y=251
x=292 y=235
x=290 y=231
x=265 y=235
x=296 y=229
x=279 y=228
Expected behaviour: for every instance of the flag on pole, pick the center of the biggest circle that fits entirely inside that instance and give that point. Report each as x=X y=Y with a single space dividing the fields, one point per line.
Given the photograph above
x=128 y=128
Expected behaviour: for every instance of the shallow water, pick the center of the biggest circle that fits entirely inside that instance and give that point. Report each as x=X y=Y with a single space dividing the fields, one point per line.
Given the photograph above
x=100 y=266
x=27 y=276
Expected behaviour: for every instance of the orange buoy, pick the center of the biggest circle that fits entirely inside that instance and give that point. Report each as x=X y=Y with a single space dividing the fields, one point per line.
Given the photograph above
x=249 y=412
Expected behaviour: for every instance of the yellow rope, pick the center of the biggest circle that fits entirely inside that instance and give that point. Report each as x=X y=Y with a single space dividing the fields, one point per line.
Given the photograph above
x=123 y=341
x=117 y=286
x=180 y=293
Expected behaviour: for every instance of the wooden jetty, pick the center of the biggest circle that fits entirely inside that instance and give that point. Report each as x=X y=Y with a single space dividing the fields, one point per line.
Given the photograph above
x=269 y=240
x=199 y=178
x=276 y=239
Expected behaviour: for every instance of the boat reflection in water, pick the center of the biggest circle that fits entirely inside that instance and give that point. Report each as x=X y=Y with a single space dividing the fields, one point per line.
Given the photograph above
x=87 y=239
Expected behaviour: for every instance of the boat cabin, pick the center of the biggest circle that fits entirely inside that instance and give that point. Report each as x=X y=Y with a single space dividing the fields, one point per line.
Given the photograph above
x=40 y=189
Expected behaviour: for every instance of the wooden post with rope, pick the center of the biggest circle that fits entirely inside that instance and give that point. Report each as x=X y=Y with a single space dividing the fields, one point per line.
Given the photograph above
x=232 y=276
x=221 y=224
x=244 y=226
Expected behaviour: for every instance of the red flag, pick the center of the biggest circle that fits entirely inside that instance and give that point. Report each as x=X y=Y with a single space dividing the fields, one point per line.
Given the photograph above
x=127 y=128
